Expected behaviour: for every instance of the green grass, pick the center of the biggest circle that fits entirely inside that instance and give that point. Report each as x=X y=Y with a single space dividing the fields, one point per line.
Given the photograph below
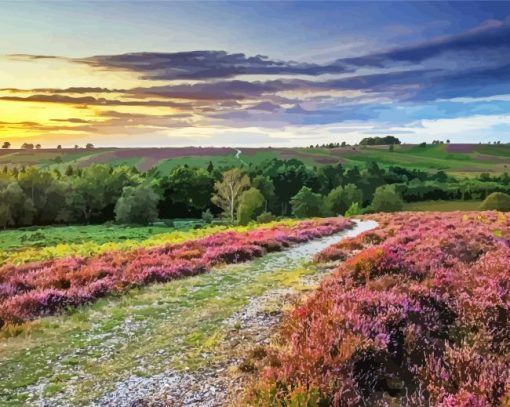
x=443 y=206
x=144 y=332
x=52 y=235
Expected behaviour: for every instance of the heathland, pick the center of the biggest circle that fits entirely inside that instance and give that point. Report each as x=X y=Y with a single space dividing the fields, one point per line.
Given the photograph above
x=227 y=277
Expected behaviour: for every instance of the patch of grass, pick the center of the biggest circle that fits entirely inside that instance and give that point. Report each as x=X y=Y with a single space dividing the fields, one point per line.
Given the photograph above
x=52 y=389
x=443 y=206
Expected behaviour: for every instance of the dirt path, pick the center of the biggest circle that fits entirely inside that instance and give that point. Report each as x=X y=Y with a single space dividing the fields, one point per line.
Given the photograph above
x=221 y=382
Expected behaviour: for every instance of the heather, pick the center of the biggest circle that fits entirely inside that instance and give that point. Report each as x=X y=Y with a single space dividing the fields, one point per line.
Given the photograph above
x=415 y=313
x=42 y=288
x=24 y=246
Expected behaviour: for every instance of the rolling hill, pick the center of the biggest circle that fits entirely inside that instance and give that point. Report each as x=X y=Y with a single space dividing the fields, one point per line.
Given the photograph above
x=460 y=159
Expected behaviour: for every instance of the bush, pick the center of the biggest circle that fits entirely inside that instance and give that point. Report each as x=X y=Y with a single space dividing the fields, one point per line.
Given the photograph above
x=353 y=210
x=497 y=201
x=386 y=199
x=266 y=217
x=307 y=203
x=251 y=203
x=207 y=216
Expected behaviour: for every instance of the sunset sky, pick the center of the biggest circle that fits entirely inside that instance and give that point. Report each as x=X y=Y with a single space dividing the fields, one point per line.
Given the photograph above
x=253 y=73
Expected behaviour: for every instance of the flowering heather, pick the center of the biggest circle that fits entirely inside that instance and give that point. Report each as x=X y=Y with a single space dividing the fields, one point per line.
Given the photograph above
x=461 y=148
x=417 y=315
x=35 y=289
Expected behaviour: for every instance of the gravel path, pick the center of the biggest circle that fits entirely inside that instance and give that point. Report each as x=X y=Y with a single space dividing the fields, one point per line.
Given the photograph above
x=221 y=382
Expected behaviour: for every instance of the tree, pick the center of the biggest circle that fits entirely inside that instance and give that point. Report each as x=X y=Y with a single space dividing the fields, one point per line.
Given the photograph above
x=207 y=216
x=38 y=146
x=59 y=147
x=353 y=210
x=89 y=146
x=27 y=146
x=340 y=198
x=6 y=144
x=94 y=194
x=186 y=192
x=251 y=205
x=5 y=215
x=377 y=141
x=229 y=190
x=21 y=207
x=137 y=205
x=497 y=201
x=307 y=203
x=386 y=199
x=210 y=167
x=265 y=185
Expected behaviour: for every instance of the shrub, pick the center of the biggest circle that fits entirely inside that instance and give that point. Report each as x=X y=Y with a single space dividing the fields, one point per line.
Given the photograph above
x=386 y=199
x=207 y=216
x=307 y=203
x=414 y=318
x=251 y=204
x=266 y=217
x=353 y=210
x=497 y=201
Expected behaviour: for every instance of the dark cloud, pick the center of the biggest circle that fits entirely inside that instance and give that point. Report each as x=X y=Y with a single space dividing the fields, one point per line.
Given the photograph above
x=205 y=65
x=265 y=106
x=223 y=90
x=482 y=40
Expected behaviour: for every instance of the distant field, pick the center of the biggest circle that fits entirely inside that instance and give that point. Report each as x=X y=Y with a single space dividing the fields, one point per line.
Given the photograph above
x=443 y=206
x=461 y=159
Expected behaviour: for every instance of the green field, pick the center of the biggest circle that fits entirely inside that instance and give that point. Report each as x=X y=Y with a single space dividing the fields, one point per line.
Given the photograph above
x=443 y=206
x=463 y=160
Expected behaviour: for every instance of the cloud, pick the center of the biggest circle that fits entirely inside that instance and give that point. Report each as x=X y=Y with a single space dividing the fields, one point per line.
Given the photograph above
x=391 y=90
x=200 y=65
x=90 y=100
x=493 y=35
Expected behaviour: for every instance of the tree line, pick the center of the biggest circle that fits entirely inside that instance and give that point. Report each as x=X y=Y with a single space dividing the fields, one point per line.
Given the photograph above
x=100 y=193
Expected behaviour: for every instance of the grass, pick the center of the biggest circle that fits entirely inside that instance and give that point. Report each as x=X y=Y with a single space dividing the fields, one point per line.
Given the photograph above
x=443 y=206
x=82 y=354
x=21 y=238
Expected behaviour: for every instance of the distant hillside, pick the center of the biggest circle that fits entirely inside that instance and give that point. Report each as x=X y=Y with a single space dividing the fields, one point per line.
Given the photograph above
x=462 y=159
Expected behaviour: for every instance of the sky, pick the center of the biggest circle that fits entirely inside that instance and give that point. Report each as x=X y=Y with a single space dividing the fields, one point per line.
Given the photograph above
x=253 y=73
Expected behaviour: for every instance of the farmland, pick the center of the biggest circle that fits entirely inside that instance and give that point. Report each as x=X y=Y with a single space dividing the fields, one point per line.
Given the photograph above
x=457 y=159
